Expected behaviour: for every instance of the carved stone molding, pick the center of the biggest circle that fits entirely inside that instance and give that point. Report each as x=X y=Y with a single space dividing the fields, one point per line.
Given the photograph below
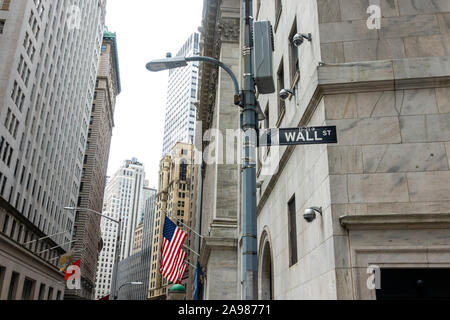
x=229 y=29
x=396 y=221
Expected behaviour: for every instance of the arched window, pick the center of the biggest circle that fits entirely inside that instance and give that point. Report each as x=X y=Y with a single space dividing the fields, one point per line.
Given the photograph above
x=183 y=170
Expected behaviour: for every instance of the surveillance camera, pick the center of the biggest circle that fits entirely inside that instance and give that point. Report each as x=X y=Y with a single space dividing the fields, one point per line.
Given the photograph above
x=285 y=94
x=297 y=40
x=309 y=215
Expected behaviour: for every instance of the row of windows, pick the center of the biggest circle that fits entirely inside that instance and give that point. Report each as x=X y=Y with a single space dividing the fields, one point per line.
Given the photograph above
x=28 y=288
x=18 y=97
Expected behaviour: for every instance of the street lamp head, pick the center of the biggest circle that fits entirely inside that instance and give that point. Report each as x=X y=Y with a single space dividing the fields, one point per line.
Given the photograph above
x=70 y=208
x=167 y=63
x=136 y=283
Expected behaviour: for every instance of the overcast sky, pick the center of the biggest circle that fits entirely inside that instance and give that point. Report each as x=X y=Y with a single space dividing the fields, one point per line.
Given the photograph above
x=146 y=30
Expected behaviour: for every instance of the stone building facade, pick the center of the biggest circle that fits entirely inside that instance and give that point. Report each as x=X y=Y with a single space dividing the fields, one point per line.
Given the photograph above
x=28 y=262
x=384 y=189
x=220 y=202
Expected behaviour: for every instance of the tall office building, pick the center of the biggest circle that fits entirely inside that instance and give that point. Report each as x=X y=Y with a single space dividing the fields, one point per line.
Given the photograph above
x=124 y=199
x=181 y=96
x=47 y=82
x=92 y=187
x=136 y=267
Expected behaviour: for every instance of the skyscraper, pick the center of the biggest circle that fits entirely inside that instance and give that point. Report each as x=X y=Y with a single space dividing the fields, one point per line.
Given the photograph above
x=173 y=201
x=124 y=199
x=136 y=267
x=181 y=96
x=47 y=82
x=92 y=187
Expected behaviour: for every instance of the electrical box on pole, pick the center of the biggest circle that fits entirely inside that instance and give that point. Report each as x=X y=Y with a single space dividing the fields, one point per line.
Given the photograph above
x=263 y=43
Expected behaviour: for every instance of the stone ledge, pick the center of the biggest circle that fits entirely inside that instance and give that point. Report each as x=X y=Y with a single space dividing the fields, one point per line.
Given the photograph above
x=395 y=221
x=398 y=74
x=215 y=243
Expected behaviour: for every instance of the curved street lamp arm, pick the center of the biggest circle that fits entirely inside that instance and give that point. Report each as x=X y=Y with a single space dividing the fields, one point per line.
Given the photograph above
x=220 y=64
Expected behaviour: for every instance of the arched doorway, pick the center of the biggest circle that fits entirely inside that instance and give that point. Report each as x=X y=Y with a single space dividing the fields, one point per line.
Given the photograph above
x=265 y=268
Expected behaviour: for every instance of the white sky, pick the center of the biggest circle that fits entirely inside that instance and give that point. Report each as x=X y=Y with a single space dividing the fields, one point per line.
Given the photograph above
x=146 y=30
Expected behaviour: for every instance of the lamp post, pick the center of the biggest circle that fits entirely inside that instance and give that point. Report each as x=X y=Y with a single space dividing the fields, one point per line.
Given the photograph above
x=116 y=263
x=177 y=292
x=249 y=119
x=132 y=283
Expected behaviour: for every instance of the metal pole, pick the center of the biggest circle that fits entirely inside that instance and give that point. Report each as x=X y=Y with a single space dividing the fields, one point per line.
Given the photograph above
x=249 y=125
x=117 y=258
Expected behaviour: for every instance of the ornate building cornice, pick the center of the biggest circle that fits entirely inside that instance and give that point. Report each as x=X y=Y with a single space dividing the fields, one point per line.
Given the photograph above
x=220 y=24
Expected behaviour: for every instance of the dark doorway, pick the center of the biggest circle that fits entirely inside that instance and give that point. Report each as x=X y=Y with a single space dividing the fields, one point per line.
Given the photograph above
x=414 y=284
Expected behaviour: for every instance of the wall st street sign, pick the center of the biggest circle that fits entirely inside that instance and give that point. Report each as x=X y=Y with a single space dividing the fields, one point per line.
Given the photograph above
x=297 y=136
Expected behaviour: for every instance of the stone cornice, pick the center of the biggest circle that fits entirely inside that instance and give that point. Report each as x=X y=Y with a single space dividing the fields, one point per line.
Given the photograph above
x=217 y=243
x=34 y=261
x=413 y=73
x=220 y=24
x=395 y=221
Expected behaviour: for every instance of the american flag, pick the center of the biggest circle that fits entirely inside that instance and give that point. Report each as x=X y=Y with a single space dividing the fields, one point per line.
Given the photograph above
x=172 y=257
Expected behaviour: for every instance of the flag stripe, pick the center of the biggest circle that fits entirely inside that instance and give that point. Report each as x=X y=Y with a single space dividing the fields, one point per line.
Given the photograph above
x=180 y=260
x=172 y=257
x=172 y=249
x=182 y=271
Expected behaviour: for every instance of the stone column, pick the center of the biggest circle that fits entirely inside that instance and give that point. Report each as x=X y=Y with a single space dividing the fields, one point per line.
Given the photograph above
x=6 y=282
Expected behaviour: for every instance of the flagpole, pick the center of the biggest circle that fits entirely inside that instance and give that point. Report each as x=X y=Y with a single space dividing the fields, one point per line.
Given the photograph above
x=191 y=250
x=190 y=229
x=52 y=235
x=191 y=264
x=56 y=247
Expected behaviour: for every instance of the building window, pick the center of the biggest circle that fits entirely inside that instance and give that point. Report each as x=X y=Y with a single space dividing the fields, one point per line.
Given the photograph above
x=183 y=171
x=28 y=289
x=4 y=4
x=292 y=226
x=258 y=7
x=2 y=26
x=50 y=293
x=281 y=102
x=41 y=291
x=278 y=10
x=5 y=224
x=13 y=286
x=294 y=64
